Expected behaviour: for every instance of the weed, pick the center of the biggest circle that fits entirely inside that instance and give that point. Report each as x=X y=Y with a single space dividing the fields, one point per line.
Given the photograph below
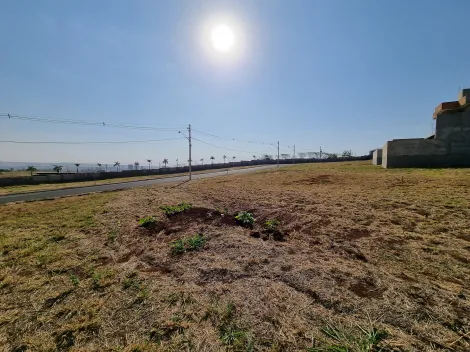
x=96 y=280
x=245 y=218
x=147 y=221
x=364 y=341
x=271 y=225
x=188 y=244
x=74 y=280
x=231 y=334
x=112 y=235
x=175 y=209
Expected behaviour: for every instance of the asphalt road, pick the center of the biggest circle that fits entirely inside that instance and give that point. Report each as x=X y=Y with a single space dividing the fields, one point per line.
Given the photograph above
x=117 y=186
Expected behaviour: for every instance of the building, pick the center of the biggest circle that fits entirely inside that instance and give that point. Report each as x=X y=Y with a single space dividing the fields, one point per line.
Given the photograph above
x=449 y=146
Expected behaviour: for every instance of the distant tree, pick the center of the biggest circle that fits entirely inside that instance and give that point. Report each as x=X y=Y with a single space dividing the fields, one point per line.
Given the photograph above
x=267 y=157
x=99 y=166
x=165 y=162
x=150 y=162
x=285 y=156
x=31 y=169
x=233 y=158
x=332 y=156
x=77 y=165
x=57 y=168
x=212 y=159
x=176 y=162
x=116 y=165
x=302 y=155
x=225 y=157
x=312 y=155
x=254 y=157
x=346 y=154
x=202 y=161
x=136 y=165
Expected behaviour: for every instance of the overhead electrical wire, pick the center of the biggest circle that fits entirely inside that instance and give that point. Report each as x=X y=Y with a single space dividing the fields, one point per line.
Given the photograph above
x=86 y=123
x=93 y=142
x=231 y=139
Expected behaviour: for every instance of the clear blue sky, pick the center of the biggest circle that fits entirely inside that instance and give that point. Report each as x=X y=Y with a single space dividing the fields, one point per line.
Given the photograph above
x=336 y=74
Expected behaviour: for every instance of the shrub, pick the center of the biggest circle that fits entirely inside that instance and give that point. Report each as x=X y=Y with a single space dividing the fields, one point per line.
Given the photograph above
x=271 y=225
x=147 y=221
x=175 y=209
x=188 y=244
x=245 y=218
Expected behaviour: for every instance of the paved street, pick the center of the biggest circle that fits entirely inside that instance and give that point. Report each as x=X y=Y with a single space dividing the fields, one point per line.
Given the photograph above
x=117 y=186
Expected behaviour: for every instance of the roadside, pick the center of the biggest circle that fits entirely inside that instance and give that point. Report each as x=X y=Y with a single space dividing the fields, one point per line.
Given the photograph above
x=68 y=185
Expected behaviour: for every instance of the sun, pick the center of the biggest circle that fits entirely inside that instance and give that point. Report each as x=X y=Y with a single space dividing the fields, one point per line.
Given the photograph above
x=222 y=38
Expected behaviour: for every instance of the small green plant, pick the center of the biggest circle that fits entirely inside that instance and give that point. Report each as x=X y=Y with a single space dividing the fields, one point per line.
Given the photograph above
x=364 y=341
x=175 y=209
x=271 y=225
x=147 y=221
x=96 y=280
x=74 y=280
x=245 y=218
x=188 y=244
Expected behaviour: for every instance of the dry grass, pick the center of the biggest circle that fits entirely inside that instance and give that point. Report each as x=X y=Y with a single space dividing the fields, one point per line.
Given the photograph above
x=4 y=190
x=357 y=248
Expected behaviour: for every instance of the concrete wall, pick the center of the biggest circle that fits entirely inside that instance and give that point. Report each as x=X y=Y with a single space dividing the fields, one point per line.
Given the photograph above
x=454 y=126
x=423 y=153
x=61 y=178
x=377 y=157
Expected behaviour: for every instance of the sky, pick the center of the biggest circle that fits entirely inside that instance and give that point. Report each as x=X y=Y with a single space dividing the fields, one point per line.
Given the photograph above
x=335 y=74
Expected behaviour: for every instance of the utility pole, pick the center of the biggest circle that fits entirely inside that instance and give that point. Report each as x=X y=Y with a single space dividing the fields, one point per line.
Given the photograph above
x=277 y=153
x=189 y=139
x=293 y=160
x=320 y=152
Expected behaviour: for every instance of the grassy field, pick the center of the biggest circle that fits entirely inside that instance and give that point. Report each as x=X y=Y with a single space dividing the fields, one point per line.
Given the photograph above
x=53 y=186
x=341 y=257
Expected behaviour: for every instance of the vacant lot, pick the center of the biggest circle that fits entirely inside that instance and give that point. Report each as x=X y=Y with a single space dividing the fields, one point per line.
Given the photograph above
x=355 y=258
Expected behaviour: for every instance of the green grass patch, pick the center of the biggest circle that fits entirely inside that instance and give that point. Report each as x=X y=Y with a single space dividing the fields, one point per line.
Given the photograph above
x=147 y=221
x=175 y=209
x=188 y=244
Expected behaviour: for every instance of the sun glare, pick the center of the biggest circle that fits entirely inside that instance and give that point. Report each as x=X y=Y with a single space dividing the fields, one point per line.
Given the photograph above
x=222 y=38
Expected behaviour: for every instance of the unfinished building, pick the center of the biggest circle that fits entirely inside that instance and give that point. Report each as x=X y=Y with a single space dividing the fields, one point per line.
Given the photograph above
x=448 y=147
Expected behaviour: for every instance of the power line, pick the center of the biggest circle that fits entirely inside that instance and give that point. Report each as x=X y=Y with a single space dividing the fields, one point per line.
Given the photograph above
x=93 y=142
x=233 y=139
x=218 y=146
x=85 y=123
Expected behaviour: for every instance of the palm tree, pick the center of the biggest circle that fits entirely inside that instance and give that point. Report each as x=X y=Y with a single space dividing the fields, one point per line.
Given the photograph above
x=99 y=166
x=202 y=161
x=136 y=165
x=57 y=168
x=225 y=157
x=31 y=169
x=165 y=161
x=150 y=162
x=233 y=158
x=117 y=164
x=77 y=165
x=176 y=162
x=212 y=158
x=254 y=157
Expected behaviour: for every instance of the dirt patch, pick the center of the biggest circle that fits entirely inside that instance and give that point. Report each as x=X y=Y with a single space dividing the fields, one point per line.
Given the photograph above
x=367 y=288
x=315 y=180
x=219 y=275
x=355 y=234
